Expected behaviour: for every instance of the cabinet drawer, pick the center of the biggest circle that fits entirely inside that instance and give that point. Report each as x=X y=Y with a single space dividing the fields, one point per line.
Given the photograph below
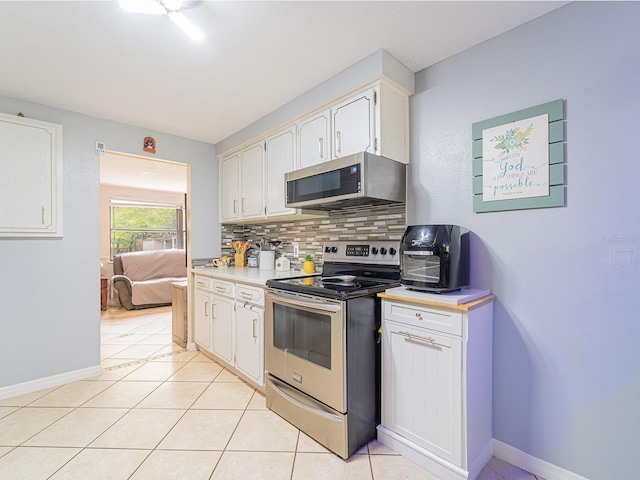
x=226 y=289
x=203 y=283
x=441 y=320
x=250 y=294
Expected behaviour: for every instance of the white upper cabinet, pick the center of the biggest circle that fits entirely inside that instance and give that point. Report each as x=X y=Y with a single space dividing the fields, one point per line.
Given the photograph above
x=279 y=159
x=353 y=123
x=31 y=179
x=252 y=181
x=241 y=184
x=374 y=119
x=230 y=187
x=313 y=139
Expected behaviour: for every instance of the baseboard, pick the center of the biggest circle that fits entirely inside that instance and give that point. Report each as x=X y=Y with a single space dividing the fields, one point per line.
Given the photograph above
x=420 y=456
x=48 y=382
x=532 y=464
x=476 y=465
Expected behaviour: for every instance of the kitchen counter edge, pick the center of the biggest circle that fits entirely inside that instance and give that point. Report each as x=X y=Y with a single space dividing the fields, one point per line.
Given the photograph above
x=253 y=276
x=463 y=307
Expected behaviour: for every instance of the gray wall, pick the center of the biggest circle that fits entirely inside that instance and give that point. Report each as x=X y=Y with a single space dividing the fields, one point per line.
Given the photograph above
x=49 y=289
x=566 y=367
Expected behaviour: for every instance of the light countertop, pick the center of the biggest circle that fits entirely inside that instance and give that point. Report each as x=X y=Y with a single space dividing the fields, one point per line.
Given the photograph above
x=253 y=276
x=464 y=300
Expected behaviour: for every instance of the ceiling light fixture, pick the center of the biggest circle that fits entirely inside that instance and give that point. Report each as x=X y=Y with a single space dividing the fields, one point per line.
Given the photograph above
x=170 y=8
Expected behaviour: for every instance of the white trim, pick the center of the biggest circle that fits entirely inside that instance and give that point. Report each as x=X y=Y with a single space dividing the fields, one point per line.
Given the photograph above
x=532 y=464
x=421 y=456
x=476 y=466
x=48 y=382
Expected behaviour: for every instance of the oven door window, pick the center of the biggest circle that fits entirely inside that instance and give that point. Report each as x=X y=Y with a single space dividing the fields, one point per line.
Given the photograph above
x=305 y=334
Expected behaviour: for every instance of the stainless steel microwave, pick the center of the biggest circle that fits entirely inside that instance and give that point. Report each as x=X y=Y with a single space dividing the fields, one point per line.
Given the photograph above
x=359 y=179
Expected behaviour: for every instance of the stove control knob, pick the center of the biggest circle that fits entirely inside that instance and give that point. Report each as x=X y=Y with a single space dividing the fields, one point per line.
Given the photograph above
x=383 y=250
x=392 y=251
x=374 y=250
x=327 y=249
x=334 y=249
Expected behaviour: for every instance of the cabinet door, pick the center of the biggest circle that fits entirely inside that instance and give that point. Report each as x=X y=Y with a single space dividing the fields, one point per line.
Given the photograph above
x=229 y=187
x=280 y=152
x=313 y=139
x=249 y=342
x=223 y=319
x=422 y=388
x=252 y=181
x=31 y=179
x=353 y=125
x=202 y=305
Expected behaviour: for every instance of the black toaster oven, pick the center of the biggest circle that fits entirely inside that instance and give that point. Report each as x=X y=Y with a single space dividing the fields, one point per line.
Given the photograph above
x=434 y=258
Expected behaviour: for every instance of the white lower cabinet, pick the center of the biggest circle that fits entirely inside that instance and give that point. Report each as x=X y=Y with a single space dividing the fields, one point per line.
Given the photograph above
x=223 y=322
x=436 y=385
x=202 y=301
x=229 y=325
x=423 y=392
x=249 y=341
x=202 y=306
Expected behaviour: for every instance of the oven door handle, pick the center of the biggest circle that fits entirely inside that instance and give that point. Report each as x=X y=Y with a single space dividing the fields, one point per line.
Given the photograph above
x=277 y=385
x=295 y=300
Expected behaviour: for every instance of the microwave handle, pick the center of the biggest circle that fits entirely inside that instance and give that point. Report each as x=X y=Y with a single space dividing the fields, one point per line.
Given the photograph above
x=295 y=300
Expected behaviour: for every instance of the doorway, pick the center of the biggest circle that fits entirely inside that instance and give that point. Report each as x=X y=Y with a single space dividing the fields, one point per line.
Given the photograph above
x=143 y=181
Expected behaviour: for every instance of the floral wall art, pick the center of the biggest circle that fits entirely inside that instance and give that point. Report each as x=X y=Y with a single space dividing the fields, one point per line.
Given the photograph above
x=519 y=160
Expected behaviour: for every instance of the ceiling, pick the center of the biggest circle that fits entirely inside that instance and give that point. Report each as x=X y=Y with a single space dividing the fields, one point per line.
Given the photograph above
x=94 y=58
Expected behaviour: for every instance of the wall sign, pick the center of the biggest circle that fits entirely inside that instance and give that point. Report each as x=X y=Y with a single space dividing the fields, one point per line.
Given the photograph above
x=518 y=160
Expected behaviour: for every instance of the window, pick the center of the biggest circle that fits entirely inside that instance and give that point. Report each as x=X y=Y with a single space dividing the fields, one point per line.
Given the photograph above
x=137 y=226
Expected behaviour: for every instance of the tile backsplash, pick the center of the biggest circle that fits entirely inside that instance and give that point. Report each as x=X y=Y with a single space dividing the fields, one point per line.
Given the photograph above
x=384 y=222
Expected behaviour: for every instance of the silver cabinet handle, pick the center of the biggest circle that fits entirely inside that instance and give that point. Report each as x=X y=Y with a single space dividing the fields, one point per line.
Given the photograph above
x=220 y=289
x=255 y=322
x=246 y=295
x=201 y=283
x=206 y=309
x=235 y=206
x=418 y=338
x=243 y=205
x=43 y=211
x=338 y=141
x=321 y=147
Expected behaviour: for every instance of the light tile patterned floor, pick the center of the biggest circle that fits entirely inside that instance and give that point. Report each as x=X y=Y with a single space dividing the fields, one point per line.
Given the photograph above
x=159 y=412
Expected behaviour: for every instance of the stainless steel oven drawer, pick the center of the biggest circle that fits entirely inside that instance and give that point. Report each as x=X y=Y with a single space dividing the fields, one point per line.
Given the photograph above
x=323 y=424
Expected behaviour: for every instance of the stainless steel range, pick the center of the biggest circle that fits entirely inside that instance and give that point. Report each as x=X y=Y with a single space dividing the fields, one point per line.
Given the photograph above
x=321 y=344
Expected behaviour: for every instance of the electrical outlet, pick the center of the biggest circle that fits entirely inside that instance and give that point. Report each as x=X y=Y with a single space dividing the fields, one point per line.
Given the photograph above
x=296 y=250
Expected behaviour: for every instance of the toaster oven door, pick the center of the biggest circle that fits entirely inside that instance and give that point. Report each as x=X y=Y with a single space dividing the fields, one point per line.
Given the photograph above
x=420 y=266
